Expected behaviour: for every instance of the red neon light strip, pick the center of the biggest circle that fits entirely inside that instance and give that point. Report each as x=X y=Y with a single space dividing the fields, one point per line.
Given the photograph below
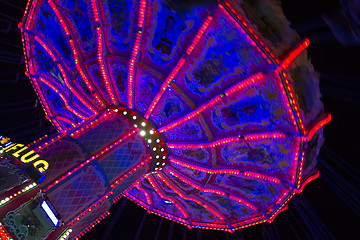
x=244 y=83
x=240 y=200
x=64 y=75
x=256 y=43
x=93 y=224
x=101 y=48
x=147 y=196
x=205 y=144
x=286 y=62
x=214 y=226
x=237 y=87
x=63 y=98
x=294 y=103
x=31 y=13
x=74 y=50
x=250 y=137
x=293 y=54
x=134 y=55
x=288 y=107
x=300 y=168
x=91 y=208
x=128 y=174
x=261 y=176
x=132 y=70
x=296 y=159
x=198 y=36
x=95 y=12
x=99 y=154
x=308 y=180
x=317 y=126
x=286 y=84
x=178 y=192
x=155 y=211
x=204 y=169
x=46 y=106
x=92 y=124
x=178 y=66
x=39 y=93
x=66 y=120
x=250 y=33
x=102 y=65
x=246 y=174
x=163 y=87
x=142 y=14
x=158 y=191
x=26 y=11
x=285 y=200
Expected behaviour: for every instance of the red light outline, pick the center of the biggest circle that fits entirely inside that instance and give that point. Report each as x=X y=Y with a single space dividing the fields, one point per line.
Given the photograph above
x=61 y=69
x=214 y=143
x=63 y=98
x=75 y=49
x=246 y=174
x=178 y=66
x=231 y=90
x=134 y=55
x=101 y=48
x=162 y=195
x=217 y=191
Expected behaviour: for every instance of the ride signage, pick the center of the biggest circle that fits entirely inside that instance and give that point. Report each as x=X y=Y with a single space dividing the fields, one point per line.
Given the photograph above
x=22 y=153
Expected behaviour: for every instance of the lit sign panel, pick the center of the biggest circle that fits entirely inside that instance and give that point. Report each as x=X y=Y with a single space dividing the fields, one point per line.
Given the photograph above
x=22 y=152
x=49 y=213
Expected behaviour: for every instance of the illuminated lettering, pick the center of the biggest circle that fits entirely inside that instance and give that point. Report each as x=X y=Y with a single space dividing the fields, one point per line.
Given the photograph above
x=24 y=157
x=41 y=165
x=16 y=154
x=13 y=147
x=18 y=150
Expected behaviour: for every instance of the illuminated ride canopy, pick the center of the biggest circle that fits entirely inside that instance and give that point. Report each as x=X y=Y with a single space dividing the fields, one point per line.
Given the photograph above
x=235 y=111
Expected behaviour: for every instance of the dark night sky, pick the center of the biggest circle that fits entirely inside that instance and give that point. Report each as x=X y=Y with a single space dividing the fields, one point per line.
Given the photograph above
x=339 y=67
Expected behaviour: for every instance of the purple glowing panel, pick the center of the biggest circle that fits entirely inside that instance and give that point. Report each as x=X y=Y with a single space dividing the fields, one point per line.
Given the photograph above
x=76 y=192
x=234 y=118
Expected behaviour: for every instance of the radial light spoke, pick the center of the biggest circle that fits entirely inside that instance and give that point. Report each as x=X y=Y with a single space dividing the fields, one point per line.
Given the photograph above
x=76 y=112
x=54 y=57
x=134 y=55
x=212 y=190
x=235 y=88
x=169 y=183
x=246 y=173
x=102 y=52
x=75 y=49
x=178 y=66
x=162 y=195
